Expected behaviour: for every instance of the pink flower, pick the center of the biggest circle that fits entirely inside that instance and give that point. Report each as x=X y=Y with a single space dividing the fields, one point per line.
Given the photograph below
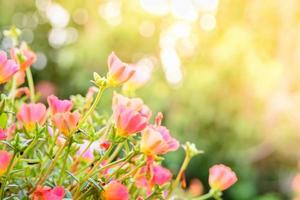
x=20 y=77
x=157 y=140
x=31 y=114
x=59 y=106
x=3 y=134
x=196 y=187
x=22 y=90
x=136 y=104
x=88 y=155
x=45 y=89
x=10 y=131
x=66 y=122
x=89 y=95
x=156 y=174
x=24 y=56
x=128 y=121
x=221 y=177
x=8 y=68
x=296 y=184
x=130 y=115
x=118 y=72
x=115 y=191
x=5 y=158
x=140 y=77
x=46 y=193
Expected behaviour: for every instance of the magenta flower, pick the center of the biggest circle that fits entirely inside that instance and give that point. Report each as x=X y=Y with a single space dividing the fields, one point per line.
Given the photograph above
x=8 y=68
x=115 y=191
x=31 y=114
x=46 y=193
x=118 y=72
x=221 y=177
x=5 y=158
x=3 y=134
x=66 y=122
x=59 y=106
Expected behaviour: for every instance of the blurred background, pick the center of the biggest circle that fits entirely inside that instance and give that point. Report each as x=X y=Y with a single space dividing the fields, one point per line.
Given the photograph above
x=224 y=72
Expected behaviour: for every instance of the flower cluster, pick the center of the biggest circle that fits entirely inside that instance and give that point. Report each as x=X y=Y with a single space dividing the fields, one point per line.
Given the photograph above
x=68 y=149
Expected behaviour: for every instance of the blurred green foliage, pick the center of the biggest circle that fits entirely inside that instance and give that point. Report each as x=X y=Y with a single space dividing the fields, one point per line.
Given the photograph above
x=238 y=97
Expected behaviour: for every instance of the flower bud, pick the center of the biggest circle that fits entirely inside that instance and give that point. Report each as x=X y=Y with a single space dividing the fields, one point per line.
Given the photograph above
x=191 y=149
x=3 y=134
x=115 y=191
x=99 y=81
x=5 y=158
x=46 y=193
x=221 y=177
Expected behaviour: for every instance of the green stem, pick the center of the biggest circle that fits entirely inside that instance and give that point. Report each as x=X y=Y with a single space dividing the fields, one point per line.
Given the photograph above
x=83 y=119
x=115 y=153
x=133 y=171
x=61 y=176
x=83 y=152
x=211 y=194
x=123 y=160
x=91 y=172
x=205 y=196
x=12 y=92
x=56 y=135
x=93 y=107
x=76 y=189
x=7 y=176
x=30 y=84
x=84 y=195
x=51 y=167
x=181 y=171
x=26 y=151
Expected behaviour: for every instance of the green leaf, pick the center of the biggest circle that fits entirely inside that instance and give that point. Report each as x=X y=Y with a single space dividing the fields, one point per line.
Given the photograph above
x=3 y=120
x=99 y=187
x=8 y=144
x=73 y=176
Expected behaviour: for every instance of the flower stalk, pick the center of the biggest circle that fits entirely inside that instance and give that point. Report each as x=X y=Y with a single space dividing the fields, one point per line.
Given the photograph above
x=65 y=160
x=30 y=84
